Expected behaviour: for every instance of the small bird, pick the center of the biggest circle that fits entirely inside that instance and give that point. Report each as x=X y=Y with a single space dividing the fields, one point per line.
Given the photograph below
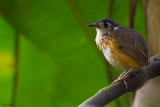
x=123 y=47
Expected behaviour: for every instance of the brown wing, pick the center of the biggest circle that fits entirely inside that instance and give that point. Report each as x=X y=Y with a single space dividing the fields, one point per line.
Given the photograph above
x=132 y=44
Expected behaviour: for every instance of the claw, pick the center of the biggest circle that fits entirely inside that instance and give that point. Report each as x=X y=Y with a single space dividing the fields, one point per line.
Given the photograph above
x=122 y=77
x=119 y=79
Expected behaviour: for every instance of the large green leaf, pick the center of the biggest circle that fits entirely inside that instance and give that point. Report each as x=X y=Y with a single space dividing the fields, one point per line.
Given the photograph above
x=59 y=65
x=7 y=35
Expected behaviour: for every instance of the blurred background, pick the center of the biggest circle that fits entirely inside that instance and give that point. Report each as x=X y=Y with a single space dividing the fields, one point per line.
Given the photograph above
x=48 y=55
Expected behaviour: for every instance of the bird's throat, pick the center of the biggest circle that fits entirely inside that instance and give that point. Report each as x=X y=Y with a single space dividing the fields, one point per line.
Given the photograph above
x=99 y=35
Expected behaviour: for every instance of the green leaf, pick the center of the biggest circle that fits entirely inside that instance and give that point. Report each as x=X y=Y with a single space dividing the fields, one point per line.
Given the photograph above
x=59 y=65
x=6 y=61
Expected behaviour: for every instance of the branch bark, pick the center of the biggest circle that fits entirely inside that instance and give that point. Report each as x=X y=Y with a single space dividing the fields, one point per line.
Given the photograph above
x=107 y=94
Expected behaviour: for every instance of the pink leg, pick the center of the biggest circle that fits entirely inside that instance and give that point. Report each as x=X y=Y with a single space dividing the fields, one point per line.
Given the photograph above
x=122 y=76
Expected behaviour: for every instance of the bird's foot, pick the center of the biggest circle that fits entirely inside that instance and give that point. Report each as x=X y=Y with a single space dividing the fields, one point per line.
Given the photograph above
x=122 y=77
x=122 y=74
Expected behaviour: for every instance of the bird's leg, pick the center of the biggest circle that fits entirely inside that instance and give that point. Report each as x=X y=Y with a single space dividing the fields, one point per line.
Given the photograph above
x=122 y=76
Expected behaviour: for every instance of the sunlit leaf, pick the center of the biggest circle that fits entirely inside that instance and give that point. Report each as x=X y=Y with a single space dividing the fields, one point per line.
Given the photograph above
x=59 y=65
x=6 y=61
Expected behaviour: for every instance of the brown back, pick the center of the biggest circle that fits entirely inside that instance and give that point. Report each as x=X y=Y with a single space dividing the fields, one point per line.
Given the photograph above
x=132 y=44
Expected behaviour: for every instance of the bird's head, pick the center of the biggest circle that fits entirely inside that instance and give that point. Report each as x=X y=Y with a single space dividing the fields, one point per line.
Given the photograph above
x=105 y=25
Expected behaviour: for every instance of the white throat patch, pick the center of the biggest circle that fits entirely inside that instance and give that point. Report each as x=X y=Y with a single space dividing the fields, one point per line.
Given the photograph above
x=99 y=35
x=115 y=28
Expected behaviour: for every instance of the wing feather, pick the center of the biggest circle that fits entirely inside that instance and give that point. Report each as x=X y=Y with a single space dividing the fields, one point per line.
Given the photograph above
x=132 y=44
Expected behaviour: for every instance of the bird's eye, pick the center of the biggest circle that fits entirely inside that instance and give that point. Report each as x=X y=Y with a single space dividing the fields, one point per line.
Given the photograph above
x=105 y=24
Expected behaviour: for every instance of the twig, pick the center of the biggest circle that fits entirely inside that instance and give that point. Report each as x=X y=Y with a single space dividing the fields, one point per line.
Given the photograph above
x=16 y=70
x=107 y=94
x=132 y=10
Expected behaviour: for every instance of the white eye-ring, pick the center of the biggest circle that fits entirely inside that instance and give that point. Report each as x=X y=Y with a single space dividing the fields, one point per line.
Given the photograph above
x=115 y=28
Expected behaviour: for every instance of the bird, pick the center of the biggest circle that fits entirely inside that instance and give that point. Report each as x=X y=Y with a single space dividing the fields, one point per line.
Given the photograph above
x=123 y=48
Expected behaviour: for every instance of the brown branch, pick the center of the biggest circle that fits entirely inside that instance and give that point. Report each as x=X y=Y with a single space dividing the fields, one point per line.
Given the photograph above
x=132 y=9
x=110 y=8
x=16 y=70
x=108 y=94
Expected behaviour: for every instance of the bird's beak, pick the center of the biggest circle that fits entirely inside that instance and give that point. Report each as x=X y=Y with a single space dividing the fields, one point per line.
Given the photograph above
x=93 y=25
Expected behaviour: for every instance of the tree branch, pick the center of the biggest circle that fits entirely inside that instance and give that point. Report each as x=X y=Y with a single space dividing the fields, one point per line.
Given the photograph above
x=107 y=94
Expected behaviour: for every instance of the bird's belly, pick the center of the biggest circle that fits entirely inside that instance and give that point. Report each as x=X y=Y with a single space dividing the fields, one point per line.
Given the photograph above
x=121 y=61
x=108 y=53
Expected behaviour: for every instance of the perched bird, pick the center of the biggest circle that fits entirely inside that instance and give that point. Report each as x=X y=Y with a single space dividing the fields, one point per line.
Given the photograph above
x=123 y=47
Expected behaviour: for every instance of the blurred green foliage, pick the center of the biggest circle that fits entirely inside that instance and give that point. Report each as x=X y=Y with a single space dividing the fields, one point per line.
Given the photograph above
x=58 y=65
